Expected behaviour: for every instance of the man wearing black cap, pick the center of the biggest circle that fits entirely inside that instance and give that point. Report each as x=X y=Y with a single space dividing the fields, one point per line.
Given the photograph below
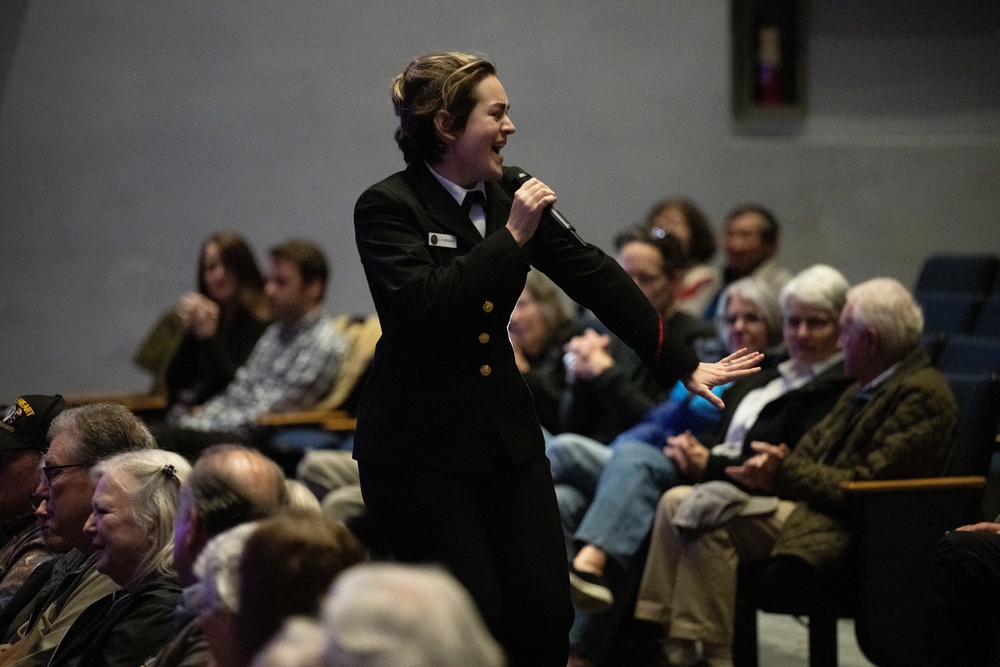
x=79 y=438
x=23 y=442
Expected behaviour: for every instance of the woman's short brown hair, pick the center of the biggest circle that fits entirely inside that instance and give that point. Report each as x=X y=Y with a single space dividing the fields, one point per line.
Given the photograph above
x=433 y=82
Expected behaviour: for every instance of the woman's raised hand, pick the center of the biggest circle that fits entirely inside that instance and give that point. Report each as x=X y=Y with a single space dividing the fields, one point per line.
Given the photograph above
x=738 y=364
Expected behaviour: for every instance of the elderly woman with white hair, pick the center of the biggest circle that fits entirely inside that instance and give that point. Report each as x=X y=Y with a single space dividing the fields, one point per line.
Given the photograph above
x=131 y=530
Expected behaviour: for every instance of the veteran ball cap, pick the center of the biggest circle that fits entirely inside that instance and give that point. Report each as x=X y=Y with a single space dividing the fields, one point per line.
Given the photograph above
x=26 y=424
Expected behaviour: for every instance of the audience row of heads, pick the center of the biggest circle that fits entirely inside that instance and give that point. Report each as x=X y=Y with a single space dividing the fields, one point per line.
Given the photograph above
x=750 y=234
x=234 y=531
x=875 y=323
x=229 y=275
x=675 y=237
x=803 y=320
x=299 y=579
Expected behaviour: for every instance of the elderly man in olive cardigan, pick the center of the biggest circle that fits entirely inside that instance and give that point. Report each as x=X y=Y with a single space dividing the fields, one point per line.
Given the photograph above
x=896 y=421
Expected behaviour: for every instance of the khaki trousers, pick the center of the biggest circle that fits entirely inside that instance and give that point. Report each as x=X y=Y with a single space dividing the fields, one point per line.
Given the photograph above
x=689 y=582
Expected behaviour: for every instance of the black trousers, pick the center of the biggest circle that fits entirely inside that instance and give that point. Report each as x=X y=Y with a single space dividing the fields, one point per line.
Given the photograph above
x=965 y=600
x=499 y=534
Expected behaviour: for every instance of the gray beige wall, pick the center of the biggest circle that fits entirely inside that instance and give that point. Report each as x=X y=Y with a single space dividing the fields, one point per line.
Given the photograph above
x=131 y=129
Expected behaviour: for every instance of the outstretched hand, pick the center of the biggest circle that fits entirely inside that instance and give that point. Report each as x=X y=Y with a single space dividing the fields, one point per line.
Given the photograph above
x=738 y=364
x=982 y=526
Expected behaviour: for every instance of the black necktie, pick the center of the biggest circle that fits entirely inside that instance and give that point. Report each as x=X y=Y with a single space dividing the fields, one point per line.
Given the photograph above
x=473 y=197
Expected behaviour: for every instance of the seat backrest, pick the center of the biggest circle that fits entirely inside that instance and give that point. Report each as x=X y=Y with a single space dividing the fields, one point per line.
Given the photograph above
x=995 y=288
x=963 y=353
x=361 y=333
x=948 y=312
x=988 y=320
x=958 y=273
x=978 y=397
x=933 y=343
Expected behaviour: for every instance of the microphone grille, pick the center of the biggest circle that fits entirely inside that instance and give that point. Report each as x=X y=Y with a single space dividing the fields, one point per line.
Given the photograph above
x=514 y=178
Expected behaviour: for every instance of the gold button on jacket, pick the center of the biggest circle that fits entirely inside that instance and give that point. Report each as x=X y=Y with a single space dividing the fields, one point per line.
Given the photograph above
x=485 y=370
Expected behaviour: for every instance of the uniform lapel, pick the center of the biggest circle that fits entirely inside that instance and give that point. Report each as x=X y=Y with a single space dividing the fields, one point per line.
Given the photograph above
x=497 y=207
x=440 y=205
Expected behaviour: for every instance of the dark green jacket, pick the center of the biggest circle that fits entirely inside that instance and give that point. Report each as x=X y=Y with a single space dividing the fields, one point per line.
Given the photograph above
x=907 y=429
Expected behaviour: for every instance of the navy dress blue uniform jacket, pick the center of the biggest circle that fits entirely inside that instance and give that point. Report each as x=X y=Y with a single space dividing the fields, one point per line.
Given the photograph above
x=444 y=390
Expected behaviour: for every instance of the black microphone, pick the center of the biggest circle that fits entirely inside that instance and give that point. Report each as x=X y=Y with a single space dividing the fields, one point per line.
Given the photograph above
x=514 y=178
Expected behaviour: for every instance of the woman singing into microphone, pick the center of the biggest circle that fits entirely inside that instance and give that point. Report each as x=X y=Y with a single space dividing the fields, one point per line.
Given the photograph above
x=448 y=445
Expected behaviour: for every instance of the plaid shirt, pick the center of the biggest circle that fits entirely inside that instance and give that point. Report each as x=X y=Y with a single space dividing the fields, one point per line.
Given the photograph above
x=292 y=367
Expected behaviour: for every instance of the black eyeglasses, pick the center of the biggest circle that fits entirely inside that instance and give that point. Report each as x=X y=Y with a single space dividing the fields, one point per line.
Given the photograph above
x=51 y=472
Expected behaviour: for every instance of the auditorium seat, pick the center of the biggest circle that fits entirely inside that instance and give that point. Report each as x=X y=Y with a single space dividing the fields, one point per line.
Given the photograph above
x=963 y=353
x=988 y=320
x=948 y=312
x=971 y=274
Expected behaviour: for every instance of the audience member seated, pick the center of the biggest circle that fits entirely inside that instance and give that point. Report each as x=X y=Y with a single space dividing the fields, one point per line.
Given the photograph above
x=193 y=351
x=539 y=327
x=889 y=424
x=701 y=281
x=779 y=404
x=609 y=387
x=751 y=319
x=229 y=485
x=301 y=497
x=216 y=599
x=963 y=621
x=751 y=244
x=135 y=504
x=23 y=441
x=79 y=439
x=332 y=476
x=257 y=575
x=288 y=564
x=386 y=615
x=292 y=366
